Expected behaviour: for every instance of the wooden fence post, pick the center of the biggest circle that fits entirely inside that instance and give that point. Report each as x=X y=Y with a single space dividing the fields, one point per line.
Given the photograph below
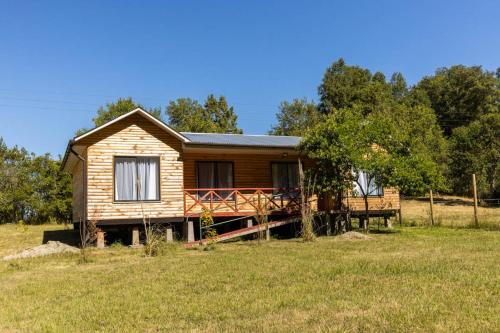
x=432 y=204
x=476 y=221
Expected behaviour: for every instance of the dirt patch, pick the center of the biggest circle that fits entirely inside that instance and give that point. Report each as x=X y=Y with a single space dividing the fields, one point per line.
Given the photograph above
x=52 y=247
x=353 y=235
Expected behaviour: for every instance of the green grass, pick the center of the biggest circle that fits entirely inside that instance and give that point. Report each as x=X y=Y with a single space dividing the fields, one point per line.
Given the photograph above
x=415 y=279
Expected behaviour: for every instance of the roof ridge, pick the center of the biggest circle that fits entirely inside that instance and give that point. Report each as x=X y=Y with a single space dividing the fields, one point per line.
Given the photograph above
x=243 y=134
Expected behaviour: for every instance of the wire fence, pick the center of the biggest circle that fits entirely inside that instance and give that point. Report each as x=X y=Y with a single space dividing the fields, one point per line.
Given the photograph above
x=451 y=211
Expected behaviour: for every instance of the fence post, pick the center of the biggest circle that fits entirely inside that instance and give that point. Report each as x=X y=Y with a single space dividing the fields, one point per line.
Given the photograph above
x=476 y=221
x=431 y=204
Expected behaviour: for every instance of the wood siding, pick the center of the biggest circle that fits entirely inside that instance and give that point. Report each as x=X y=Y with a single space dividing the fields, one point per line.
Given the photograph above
x=389 y=201
x=250 y=170
x=133 y=136
x=78 y=199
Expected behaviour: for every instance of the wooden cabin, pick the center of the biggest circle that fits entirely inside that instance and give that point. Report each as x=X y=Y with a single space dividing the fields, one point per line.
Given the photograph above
x=136 y=167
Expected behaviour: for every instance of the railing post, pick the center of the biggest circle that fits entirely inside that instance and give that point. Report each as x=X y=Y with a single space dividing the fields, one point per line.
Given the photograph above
x=201 y=231
x=258 y=200
x=236 y=200
x=211 y=200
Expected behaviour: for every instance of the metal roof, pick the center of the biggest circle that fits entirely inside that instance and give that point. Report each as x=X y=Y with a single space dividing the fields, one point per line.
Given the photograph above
x=242 y=140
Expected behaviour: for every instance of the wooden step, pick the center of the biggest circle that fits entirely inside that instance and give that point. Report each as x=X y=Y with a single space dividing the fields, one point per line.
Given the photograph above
x=245 y=231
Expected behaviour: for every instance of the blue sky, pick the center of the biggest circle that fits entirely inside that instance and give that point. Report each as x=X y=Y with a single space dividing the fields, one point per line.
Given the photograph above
x=61 y=60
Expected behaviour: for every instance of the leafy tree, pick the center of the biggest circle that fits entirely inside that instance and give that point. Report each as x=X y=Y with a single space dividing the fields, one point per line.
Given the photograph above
x=222 y=115
x=348 y=142
x=296 y=117
x=398 y=86
x=460 y=95
x=476 y=149
x=215 y=116
x=116 y=109
x=345 y=86
x=32 y=188
x=188 y=115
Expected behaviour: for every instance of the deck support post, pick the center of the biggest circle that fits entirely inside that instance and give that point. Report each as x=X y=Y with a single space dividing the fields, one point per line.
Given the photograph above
x=135 y=236
x=387 y=222
x=189 y=231
x=268 y=233
x=362 y=223
x=100 y=239
x=329 y=229
x=169 y=236
x=249 y=223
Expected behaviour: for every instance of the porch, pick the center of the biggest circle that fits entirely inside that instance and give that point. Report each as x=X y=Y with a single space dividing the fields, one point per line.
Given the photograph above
x=227 y=202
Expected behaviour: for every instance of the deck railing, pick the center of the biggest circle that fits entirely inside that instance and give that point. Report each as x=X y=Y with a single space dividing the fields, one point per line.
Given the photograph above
x=240 y=201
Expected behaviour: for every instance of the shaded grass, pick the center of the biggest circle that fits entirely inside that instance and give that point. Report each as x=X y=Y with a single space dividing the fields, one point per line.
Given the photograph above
x=412 y=279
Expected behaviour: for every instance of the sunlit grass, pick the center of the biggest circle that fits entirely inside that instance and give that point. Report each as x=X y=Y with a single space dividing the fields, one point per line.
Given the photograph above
x=417 y=213
x=412 y=279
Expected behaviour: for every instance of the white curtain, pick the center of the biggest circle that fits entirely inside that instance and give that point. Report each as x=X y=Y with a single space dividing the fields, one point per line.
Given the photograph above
x=136 y=178
x=147 y=173
x=363 y=187
x=125 y=179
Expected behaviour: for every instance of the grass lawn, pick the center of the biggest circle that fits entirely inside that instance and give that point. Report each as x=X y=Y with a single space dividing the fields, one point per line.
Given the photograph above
x=412 y=279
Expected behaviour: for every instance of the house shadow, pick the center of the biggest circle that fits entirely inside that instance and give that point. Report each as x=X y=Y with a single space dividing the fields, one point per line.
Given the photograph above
x=66 y=236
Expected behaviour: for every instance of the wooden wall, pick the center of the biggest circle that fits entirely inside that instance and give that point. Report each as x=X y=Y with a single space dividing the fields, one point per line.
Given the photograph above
x=250 y=170
x=78 y=199
x=390 y=200
x=133 y=136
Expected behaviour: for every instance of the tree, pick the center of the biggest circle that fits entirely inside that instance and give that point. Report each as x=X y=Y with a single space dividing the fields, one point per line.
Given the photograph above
x=348 y=142
x=476 y=149
x=116 y=109
x=32 y=188
x=345 y=86
x=460 y=95
x=215 y=116
x=222 y=115
x=398 y=86
x=187 y=115
x=296 y=117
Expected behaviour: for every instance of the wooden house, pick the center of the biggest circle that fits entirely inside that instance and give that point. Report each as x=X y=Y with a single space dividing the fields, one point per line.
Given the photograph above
x=136 y=167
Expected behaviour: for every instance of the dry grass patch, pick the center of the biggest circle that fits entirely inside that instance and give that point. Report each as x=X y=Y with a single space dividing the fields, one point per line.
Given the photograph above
x=457 y=214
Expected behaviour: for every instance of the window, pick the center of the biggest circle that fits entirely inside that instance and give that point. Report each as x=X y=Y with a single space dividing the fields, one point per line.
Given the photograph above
x=137 y=178
x=371 y=188
x=215 y=175
x=285 y=175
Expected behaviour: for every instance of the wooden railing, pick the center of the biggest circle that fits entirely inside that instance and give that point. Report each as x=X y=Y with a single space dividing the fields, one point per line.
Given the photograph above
x=240 y=201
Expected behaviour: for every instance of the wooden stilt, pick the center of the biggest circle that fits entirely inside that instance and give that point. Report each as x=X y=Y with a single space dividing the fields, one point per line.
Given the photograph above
x=135 y=236
x=100 y=239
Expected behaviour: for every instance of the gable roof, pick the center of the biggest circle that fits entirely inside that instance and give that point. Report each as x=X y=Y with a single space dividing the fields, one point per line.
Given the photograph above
x=243 y=140
x=141 y=112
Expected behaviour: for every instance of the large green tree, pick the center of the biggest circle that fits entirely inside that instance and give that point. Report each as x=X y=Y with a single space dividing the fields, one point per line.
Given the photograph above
x=460 y=95
x=476 y=149
x=294 y=118
x=214 y=116
x=32 y=188
x=345 y=86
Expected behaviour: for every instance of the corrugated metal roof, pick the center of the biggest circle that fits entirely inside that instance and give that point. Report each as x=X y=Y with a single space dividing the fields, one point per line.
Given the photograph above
x=242 y=140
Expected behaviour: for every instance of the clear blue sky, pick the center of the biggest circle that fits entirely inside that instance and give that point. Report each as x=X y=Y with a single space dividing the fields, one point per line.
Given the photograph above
x=61 y=60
